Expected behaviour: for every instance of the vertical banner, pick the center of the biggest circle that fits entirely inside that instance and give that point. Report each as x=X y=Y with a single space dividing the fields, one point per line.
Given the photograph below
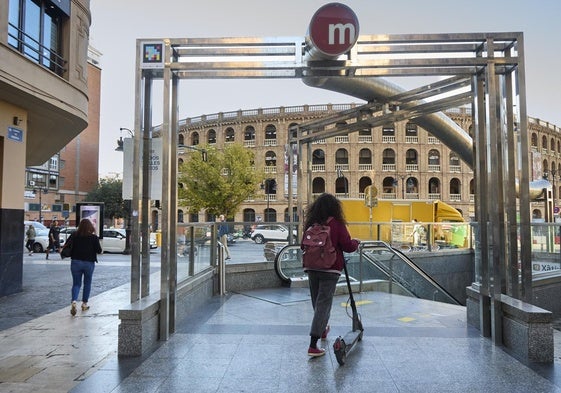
x=155 y=168
x=92 y=211
x=294 y=151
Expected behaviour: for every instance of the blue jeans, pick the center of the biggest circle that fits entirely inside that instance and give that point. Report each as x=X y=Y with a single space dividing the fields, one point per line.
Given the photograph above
x=322 y=288
x=78 y=269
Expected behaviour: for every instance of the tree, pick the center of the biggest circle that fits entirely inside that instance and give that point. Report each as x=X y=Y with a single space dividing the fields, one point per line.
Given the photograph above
x=220 y=184
x=110 y=192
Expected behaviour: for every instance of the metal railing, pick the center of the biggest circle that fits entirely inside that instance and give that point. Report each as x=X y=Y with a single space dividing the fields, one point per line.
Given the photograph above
x=374 y=261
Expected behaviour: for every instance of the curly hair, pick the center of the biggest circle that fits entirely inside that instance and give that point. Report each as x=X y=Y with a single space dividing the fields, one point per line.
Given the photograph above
x=325 y=206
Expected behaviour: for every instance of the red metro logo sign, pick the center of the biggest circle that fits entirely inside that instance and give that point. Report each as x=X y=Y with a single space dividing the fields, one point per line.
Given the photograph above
x=333 y=31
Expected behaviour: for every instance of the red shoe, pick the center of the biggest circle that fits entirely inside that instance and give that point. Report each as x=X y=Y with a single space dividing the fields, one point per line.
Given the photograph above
x=316 y=352
x=325 y=333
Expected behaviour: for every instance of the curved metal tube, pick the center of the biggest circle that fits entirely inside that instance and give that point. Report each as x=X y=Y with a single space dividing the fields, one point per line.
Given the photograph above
x=442 y=127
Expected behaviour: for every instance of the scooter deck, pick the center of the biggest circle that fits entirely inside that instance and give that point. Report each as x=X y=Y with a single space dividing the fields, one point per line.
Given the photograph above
x=343 y=345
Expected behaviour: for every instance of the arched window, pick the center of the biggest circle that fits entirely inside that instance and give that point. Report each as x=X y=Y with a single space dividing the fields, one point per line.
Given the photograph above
x=544 y=142
x=270 y=158
x=536 y=214
x=180 y=162
x=318 y=185
x=455 y=187
x=412 y=186
x=318 y=157
x=270 y=215
x=194 y=217
x=434 y=157
x=270 y=132
x=194 y=138
x=552 y=144
x=179 y=215
x=454 y=159
x=388 y=157
x=294 y=215
x=342 y=157
x=363 y=183
x=364 y=157
x=534 y=140
x=229 y=135
x=248 y=215
x=249 y=134
x=411 y=157
x=180 y=139
x=211 y=137
x=389 y=186
x=342 y=185
x=434 y=186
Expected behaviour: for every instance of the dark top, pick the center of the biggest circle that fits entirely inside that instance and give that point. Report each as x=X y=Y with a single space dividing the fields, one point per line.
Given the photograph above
x=54 y=234
x=85 y=248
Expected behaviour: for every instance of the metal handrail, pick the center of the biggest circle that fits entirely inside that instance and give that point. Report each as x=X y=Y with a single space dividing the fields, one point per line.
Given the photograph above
x=288 y=266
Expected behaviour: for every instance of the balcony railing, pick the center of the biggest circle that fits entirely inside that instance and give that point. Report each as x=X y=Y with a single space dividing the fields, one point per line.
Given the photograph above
x=412 y=167
x=364 y=167
x=318 y=167
x=388 y=167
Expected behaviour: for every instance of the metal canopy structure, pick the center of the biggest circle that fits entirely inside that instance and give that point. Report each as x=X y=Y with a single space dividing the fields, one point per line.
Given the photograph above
x=483 y=69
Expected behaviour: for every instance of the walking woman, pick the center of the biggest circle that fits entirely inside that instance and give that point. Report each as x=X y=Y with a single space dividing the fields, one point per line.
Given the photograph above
x=323 y=282
x=85 y=246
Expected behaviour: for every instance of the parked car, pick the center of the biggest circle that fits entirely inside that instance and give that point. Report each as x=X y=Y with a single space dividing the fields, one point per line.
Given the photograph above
x=115 y=240
x=265 y=232
x=65 y=234
x=41 y=236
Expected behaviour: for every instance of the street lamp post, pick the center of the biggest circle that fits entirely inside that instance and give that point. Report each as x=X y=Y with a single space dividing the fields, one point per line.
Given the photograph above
x=266 y=187
x=127 y=202
x=41 y=192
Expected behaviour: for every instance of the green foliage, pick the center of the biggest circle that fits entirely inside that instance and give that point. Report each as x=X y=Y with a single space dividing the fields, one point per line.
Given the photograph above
x=220 y=184
x=109 y=191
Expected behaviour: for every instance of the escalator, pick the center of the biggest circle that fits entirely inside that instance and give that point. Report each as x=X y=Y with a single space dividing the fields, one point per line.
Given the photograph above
x=374 y=261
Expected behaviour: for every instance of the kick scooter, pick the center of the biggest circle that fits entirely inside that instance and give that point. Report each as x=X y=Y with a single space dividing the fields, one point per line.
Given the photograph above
x=343 y=345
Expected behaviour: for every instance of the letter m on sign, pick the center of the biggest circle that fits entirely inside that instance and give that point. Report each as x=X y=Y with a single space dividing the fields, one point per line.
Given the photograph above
x=342 y=30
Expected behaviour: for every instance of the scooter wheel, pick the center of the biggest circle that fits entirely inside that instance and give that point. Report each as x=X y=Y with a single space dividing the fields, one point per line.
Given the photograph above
x=340 y=349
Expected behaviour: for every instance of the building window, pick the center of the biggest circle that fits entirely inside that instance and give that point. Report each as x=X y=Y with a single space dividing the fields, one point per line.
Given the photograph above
x=249 y=134
x=411 y=129
x=270 y=132
x=35 y=30
x=211 y=137
x=230 y=135
x=194 y=139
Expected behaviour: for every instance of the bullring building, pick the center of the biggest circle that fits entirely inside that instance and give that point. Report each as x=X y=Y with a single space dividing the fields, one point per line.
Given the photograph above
x=401 y=159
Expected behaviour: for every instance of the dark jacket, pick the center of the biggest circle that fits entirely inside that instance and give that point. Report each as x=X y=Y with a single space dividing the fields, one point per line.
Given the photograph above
x=84 y=248
x=341 y=240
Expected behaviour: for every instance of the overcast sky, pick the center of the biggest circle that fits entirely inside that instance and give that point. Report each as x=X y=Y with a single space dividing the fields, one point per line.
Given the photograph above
x=117 y=24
